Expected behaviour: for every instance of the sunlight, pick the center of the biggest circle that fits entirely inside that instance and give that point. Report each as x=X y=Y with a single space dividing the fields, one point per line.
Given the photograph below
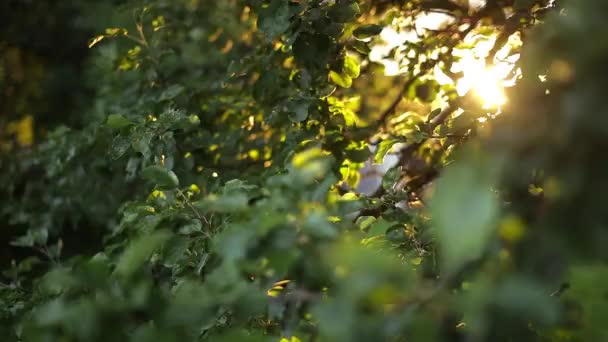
x=486 y=82
x=489 y=89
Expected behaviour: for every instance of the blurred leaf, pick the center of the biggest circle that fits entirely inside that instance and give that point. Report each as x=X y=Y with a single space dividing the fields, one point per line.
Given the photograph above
x=163 y=178
x=351 y=66
x=587 y=290
x=357 y=152
x=311 y=50
x=361 y=47
x=273 y=20
x=191 y=227
x=342 y=80
x=366 y=31
x=523 y=4
x=139 y=251
x=228 y=203
x=463 y=210
x=298 y=110
x=524 y=298
x=117 y=121
x=172 y=92
x=318 y=226
x=344 y=11
x=384 y=147
x=379 y=227
x=364 y=222
x=237 y=185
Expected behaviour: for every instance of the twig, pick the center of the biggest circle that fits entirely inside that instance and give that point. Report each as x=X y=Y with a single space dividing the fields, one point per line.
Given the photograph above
x=200 y=217
x=449 y=135
x=391 y=109
x=142 y=37
x=135 y=39
x=562 y=288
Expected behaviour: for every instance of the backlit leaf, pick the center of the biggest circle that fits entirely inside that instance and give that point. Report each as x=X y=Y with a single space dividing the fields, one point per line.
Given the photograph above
x=342 y=80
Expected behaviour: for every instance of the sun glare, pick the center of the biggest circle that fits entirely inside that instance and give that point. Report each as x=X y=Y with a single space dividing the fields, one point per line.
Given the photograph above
x=487 y=83
x=490 y=90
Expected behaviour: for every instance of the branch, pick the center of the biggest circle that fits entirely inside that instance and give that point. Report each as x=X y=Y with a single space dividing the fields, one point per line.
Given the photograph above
x=393 y=107
x=198 y=215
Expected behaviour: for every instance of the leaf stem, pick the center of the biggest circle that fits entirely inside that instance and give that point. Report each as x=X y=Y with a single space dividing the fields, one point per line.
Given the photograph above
x=189 y=204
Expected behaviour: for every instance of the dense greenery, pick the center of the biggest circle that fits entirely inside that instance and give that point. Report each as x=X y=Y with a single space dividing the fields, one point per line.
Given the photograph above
x=305 y=170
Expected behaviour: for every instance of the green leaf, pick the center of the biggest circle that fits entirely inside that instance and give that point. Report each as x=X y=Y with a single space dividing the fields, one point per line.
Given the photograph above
x=117 y=121
x=364 y=222
x=233 y=244
x=311 y=164
x=268 y=87
x=274 y=19
x=237 y=185
x=139 y=251
x=228 y=203
x=379 y=227
x=171 y=92
x=588 y=290
x=142 y=143
x=523 y=4
x=427 y=91
x=298 y=110
x=366 y=31
x=351 y=66
x=120 y=145
x=174 y=251
x=396 y=233
x=383 y=148
x=463 y=209
x=343 y=12
x=527 y=299
x=433 y=114
x=191 y=227
x=357 y=152
x=312 y=50
x=163 y=178
x=463 y=122
x=341 y=80
x=304 y=158
x=361 y=47
x=317 y=225
x=34 y=236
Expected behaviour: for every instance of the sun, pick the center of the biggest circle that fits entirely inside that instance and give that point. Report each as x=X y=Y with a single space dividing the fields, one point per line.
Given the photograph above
x=485 y=83
x=489 y=89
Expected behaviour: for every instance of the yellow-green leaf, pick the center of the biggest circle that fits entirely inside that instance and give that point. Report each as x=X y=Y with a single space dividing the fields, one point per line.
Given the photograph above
x=341 y=80
x=351 y=66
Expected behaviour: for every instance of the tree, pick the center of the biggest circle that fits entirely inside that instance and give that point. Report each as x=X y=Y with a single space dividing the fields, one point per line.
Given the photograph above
x=319 y=170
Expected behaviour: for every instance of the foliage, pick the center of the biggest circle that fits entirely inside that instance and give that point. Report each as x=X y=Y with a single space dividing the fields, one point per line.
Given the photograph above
x=250 y=170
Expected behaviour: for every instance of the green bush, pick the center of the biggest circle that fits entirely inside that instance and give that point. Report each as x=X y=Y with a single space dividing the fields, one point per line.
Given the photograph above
x=308 y=170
